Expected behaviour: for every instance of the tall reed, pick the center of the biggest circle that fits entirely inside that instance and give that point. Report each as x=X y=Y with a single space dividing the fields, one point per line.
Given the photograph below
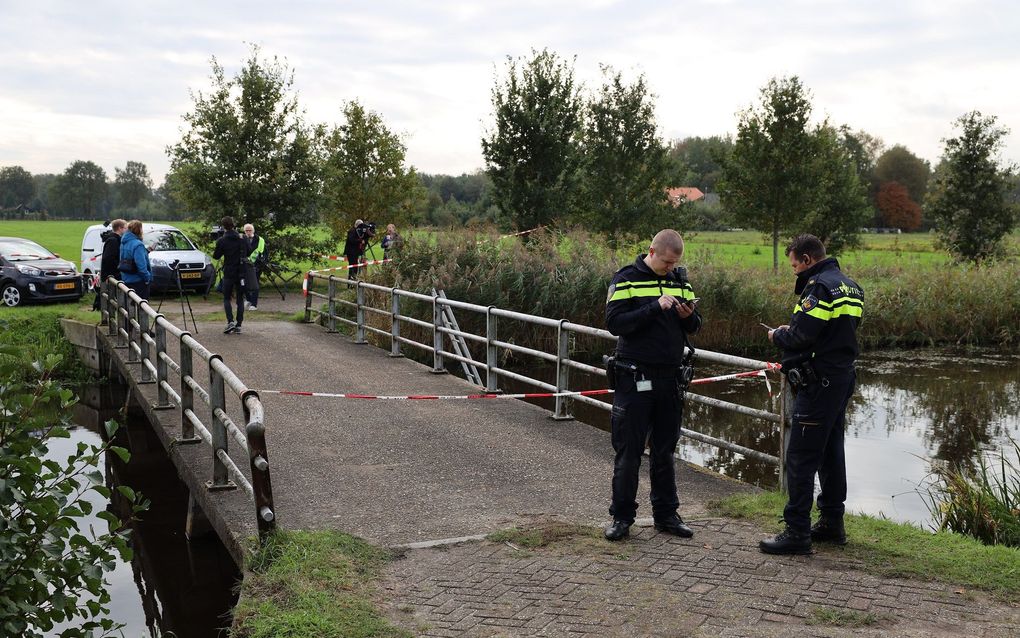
x=566 y=276
x=983 y=503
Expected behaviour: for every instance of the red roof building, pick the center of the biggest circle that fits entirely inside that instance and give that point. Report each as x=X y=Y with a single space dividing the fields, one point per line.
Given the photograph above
x=683 y=194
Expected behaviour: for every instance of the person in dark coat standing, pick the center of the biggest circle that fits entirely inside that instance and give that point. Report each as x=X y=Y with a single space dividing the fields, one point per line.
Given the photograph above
x=111 y=256
x=354 y=247
x=233 y=249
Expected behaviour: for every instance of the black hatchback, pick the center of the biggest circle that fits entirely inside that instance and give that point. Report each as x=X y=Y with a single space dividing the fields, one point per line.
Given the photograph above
x=29 y=272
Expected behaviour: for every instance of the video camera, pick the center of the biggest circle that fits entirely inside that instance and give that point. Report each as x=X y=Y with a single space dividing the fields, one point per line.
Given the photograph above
x=173 y=265
x=365 y=230
x=216 y=232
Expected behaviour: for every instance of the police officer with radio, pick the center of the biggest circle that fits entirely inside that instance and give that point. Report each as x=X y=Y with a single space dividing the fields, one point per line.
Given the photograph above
x=651 y=308
x=819 y=349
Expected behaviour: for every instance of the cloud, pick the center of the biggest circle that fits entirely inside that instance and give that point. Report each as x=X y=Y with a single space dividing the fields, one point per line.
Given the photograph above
x=109 y=81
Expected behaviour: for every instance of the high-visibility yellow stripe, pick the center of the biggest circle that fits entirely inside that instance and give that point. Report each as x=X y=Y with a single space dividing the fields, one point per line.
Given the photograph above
x=846 y=310
x=631 y=290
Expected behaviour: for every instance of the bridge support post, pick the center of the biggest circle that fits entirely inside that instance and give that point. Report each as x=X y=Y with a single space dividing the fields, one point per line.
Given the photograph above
x=308 y=297
x=359 y=297
x=112 y=309
x=331 y=293
x=143 y=343
x=395 y=324
x=261 y=482
x=562 y=411
x=786 y=413
x=217 y=407
x=491 y=351
x=438 y=366
x=197 y=524
x=162 y=396
x=187 y=393
x=132 y=318
x=123 y=318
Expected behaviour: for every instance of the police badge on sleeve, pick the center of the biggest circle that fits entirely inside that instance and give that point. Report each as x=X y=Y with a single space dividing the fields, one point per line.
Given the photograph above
x=809 y=302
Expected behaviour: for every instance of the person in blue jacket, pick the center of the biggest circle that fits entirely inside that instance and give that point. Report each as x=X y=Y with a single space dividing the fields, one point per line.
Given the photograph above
x=134 y=267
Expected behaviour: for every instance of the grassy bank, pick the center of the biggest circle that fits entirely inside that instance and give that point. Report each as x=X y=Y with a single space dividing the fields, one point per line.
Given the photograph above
x=896 y=549
x=312 y=584
x=36 y=331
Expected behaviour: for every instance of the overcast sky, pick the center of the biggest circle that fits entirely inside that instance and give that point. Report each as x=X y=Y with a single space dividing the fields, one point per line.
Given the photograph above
x=109 y=81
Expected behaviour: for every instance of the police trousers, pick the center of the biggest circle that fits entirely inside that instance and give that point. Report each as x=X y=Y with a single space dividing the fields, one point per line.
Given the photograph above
x=815 y=445
x=652 y=416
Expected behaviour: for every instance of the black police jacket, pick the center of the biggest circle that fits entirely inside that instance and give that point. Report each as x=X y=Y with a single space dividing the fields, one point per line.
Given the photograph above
x=234 y=251
x=648 y=334
x=109 y=265
x=825 y=320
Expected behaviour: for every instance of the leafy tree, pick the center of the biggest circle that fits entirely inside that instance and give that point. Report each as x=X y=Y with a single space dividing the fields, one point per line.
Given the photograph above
x=898 y=210
x=16 y=187
x=132 y=184
x=245 y=151
x=969 y=200
x=532 y=153
x=364 y=174
x=51 y=568
x=43 y=182
x=698 y=161
x=841 y=205
x=769 y=181
x=625 y=169
x=81 y=191
x=898 y=164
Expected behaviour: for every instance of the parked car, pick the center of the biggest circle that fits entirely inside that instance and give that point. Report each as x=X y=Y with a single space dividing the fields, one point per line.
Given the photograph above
x=29 y=272
x=170 y=252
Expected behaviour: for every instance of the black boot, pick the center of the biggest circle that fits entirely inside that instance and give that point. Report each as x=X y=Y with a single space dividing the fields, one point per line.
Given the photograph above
x=787 y=542
x=674 y=525
x=829 y=530
x=617 y=530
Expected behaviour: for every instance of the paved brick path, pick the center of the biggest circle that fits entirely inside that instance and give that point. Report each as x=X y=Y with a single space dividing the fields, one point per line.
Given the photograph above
x=717 y=584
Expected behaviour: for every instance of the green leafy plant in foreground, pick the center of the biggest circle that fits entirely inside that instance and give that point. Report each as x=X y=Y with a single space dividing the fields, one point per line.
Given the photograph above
x=51 y=569
x=983 y=503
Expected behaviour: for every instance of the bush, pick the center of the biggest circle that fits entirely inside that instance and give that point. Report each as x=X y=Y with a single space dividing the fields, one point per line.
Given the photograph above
x=51 y=570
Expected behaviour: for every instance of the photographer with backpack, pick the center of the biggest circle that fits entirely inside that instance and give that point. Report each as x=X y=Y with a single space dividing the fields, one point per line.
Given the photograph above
x=233 y=249
x=134 y=267
x=111 y=255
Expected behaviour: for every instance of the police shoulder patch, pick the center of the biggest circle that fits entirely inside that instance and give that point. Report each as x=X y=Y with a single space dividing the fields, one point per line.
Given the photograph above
x=809 y=302
x=609 y=295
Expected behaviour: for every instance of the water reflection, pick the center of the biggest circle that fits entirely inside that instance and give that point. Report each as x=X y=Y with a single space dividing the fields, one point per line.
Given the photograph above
x=911 y=407
x=171 y=587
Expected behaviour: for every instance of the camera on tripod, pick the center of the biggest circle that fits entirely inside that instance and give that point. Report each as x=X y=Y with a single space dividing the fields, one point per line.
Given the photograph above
x=365 y=230
x=174 y=265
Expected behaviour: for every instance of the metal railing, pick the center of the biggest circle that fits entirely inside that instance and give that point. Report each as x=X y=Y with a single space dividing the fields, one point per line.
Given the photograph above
x=565 y=332
x=143 y=332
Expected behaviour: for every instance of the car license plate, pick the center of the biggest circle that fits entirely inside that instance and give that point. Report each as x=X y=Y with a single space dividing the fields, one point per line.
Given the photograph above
x=191 y=275
x=67 y=285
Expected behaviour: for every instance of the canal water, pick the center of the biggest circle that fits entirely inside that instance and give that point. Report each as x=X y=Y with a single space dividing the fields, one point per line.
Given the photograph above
x=171 y=587
x=912 y=408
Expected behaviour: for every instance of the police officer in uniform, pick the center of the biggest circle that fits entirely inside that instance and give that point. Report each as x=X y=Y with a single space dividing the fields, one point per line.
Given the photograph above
x=819 y=349
x=651 y=308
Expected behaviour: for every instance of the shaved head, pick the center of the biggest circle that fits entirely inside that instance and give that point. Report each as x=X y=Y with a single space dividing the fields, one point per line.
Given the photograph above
x=668 y=240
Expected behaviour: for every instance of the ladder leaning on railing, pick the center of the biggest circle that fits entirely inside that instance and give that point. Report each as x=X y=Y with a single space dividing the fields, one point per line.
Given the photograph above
x=565 y=331
x=143 y=332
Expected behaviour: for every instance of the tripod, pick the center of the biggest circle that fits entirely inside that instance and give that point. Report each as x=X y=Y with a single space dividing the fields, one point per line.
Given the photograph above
x=183 y=297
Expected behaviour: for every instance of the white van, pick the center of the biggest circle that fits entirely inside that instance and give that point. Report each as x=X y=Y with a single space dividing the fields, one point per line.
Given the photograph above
x=171 y=253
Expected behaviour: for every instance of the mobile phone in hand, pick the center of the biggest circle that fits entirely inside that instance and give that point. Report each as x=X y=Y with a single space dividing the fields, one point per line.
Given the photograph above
x=693 y=302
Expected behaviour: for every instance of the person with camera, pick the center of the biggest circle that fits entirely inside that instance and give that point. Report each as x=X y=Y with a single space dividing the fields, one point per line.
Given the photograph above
x=111 y=256
x=651 y=308
x=134 y=267
x=354 y=247
x=819 y=350
x=256 y=247
x=233 y=249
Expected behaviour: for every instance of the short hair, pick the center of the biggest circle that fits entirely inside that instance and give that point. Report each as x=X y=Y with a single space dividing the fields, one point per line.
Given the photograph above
x=135 y=226
x=669 y=239
x=358 y=222
x=807 y=245
x=247 y=226
x=227 y=223
x=117 y=224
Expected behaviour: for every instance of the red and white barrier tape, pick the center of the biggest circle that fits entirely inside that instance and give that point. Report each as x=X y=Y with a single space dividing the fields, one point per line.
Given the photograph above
x=527 y=395
x=433 y=397
x=374 y=262
x=334 y=257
